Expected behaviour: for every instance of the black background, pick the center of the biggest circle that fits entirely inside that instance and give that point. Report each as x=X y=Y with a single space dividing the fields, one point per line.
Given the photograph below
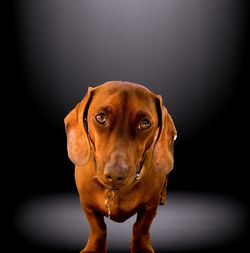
x=34 y=161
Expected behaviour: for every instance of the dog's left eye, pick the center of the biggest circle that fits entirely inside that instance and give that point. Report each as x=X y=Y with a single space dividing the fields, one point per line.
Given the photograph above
x=144 y=124
x=101 y=118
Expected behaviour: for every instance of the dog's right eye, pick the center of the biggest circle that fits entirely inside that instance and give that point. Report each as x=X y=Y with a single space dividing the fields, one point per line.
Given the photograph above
x=101 y=118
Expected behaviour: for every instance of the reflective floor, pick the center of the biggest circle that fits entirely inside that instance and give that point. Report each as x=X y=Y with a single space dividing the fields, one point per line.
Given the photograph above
x=190 y=221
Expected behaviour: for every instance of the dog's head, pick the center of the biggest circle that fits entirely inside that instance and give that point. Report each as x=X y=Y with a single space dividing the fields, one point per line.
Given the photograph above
x=121 y=126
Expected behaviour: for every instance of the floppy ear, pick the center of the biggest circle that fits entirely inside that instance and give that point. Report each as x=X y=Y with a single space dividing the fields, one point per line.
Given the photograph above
x=163 y=160
x=77 y=138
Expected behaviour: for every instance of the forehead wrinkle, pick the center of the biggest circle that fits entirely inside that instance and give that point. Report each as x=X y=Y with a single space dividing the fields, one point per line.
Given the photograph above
x=125 y=100
x=143 y=105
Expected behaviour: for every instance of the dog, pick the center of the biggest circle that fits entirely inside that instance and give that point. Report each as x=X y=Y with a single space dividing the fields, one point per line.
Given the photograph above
x=120 y=138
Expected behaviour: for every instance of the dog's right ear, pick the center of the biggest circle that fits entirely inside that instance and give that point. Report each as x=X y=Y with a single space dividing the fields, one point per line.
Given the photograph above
x=77 y=138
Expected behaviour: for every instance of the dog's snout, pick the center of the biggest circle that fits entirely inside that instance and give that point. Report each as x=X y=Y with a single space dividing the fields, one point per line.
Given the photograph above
x=115 y=174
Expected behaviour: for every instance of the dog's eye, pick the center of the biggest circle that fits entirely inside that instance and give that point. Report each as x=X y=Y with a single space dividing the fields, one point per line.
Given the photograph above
x=144 y=124
x=101 y=118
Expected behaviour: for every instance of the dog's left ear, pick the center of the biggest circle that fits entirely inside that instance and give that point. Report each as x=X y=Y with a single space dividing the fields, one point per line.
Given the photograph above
x=163 y=160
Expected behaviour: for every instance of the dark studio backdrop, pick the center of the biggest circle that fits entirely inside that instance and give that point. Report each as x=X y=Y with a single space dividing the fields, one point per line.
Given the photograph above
x=194 y=53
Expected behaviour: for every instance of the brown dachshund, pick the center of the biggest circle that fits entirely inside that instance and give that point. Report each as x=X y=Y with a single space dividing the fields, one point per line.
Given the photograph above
x=120 y=138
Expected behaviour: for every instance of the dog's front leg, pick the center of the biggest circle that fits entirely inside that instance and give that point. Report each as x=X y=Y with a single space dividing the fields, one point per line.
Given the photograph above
x=97 y=234
x=141 y=237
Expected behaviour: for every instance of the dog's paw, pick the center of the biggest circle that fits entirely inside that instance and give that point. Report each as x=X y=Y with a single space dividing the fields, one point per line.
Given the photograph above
x=92 y=251
x=146 y=249
x=93 y=248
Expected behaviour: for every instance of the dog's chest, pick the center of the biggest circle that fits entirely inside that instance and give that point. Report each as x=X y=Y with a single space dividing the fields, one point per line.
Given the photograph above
x=118 y=206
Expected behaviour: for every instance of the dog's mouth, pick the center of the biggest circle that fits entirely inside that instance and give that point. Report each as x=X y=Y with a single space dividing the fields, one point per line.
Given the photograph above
x=129 y=181
x=126 y=183
x=106 y=185
x=134 y=176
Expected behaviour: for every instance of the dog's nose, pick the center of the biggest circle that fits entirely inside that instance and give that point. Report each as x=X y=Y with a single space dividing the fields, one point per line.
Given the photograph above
x=115 y=174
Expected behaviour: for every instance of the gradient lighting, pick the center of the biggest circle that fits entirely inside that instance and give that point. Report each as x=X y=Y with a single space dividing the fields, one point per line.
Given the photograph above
x=187 y=51
x=189 y=221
